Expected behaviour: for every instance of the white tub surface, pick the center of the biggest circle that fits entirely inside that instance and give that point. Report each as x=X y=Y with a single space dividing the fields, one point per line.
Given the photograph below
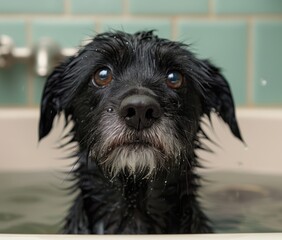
x=261 y=129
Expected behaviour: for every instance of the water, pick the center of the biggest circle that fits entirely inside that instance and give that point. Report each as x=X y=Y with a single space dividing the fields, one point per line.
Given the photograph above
x=32 y=202
x=37 y=203
x=244 y=202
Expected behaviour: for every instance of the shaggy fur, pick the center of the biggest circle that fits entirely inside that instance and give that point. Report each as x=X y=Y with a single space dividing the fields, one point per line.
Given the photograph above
x=136 y=177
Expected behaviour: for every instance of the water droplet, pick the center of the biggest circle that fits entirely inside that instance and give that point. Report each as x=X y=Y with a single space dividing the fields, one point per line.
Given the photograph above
x=178 y=105
x=263 y=82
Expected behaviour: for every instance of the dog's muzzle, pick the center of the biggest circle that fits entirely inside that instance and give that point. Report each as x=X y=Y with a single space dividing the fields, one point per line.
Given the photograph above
x=137 y=138
x=140 y=111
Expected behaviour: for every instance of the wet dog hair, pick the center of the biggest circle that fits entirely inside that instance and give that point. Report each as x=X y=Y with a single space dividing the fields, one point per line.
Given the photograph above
x=137 y=104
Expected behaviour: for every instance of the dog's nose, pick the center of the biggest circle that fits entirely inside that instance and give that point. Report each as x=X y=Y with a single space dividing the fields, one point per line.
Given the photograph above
x=140 y=111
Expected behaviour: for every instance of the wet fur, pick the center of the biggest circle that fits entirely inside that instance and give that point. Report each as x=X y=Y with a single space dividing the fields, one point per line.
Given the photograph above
x=136 y=181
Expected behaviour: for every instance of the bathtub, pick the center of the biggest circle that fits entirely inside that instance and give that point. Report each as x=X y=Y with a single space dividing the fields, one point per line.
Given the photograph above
x=261 y=128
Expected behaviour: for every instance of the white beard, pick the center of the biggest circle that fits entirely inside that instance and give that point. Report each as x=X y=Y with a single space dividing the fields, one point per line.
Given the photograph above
x=133 y=159
x=119 y=151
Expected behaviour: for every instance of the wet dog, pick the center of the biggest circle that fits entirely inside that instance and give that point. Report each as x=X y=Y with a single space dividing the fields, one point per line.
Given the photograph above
x=136 y=102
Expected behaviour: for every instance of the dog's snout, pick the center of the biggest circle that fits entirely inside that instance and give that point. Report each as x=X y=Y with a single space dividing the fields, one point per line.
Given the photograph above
x=140 y=111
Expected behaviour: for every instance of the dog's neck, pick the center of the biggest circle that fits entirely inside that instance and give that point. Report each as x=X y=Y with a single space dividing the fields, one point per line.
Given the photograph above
x=138 y=195
x=125 y=203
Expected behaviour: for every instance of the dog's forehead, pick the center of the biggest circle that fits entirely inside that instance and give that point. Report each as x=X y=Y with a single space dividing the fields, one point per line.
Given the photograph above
x=138 y=43
x=142 y=50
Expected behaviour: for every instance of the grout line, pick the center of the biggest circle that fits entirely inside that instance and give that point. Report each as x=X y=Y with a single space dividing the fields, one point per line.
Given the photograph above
x=139 y=16
x=28 y=31
x=250 y=62
x=67 y=8
x=30 y=84
x=174 y=28
x=125 y=7
x=211 y=7
x=29 y=66
x=98 y=28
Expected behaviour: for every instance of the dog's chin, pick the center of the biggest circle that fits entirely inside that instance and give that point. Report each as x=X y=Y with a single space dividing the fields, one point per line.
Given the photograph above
x=122 y=151
x=134 y=159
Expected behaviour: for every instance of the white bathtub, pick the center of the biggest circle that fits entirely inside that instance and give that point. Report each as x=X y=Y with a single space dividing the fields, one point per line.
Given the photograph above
x=261 y=128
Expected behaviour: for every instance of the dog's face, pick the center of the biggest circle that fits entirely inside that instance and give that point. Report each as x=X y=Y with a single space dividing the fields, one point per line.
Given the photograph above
x=136 y=101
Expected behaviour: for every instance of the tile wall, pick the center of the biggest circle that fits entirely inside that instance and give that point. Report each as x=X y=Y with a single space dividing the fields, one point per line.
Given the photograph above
x=243 y=37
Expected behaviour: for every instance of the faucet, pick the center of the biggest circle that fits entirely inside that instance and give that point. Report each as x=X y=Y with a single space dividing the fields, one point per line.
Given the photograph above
x=6 y=46
x=44 y=54
x=8 y=52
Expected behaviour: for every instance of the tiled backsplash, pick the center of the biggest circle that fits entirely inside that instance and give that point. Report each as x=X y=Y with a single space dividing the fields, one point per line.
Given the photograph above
x=244 y=37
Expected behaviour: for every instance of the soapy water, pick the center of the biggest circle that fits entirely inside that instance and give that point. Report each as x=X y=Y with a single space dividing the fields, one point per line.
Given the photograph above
x=37 y=202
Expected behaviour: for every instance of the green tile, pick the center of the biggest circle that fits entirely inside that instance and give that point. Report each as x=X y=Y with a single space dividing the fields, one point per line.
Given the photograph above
x=13 y=85
x=65 y=33
x=15 y=29
x=38 y=84
x=96 y=6
x=168 y=6
x=268 y=62
x=162 y=27
x=13 y=81
x=31 y=6
x=225 y=43
x=248 y=6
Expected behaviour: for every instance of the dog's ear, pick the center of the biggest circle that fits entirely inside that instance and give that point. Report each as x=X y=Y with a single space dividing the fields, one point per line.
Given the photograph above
x=217 y=96
x=53 y=100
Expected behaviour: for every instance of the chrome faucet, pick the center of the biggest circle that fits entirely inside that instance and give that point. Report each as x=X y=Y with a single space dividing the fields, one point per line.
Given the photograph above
x=44 y=54
x=8 y=53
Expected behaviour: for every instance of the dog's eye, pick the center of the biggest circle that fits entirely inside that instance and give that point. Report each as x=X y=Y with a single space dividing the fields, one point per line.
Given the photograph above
x=102 y=77
x=174 y=79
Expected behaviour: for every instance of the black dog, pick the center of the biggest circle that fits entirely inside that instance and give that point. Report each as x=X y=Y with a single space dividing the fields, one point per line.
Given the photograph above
x=137 y=103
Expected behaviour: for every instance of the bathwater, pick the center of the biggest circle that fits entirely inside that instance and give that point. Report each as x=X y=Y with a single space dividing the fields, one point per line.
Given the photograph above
x=37 y=202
